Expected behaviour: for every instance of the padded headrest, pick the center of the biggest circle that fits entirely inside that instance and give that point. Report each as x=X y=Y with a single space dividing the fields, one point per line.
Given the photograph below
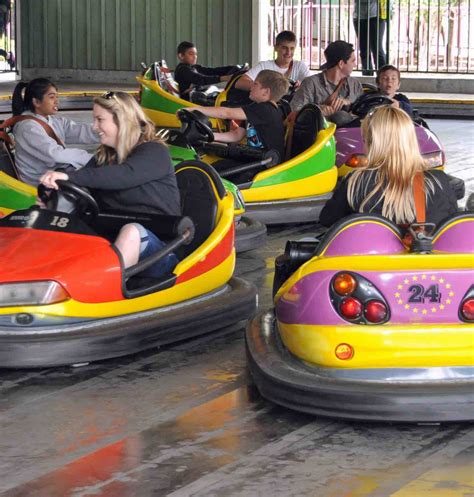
x=455 y=234
x=308 y=123
x=362 y=234
x=204 y=168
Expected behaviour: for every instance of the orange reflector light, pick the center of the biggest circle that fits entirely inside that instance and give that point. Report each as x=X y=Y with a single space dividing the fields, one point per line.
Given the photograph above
x=357 y=161
x=344 y=284
x=344 y=352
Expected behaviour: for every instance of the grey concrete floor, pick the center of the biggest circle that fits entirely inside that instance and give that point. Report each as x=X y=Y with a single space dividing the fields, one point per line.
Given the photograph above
x=186 y=420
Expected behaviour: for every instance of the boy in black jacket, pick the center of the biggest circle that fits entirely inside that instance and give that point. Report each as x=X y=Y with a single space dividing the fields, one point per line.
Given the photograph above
x=388 y=83
x=190 y=75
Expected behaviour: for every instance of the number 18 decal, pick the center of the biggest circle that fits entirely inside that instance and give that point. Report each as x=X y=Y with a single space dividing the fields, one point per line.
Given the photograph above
x=60 y=222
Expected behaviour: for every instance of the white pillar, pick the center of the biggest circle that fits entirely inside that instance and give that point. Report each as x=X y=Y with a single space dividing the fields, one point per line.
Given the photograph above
x=259 y=30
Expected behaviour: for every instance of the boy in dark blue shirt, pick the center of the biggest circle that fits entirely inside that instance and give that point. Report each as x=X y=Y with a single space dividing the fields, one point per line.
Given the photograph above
x=388 y=83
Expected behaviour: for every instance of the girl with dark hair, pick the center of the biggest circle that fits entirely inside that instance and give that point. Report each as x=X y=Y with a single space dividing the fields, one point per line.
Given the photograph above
x=40 y=135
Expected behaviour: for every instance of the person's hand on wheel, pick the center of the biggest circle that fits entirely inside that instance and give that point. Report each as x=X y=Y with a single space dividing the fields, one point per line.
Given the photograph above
x=50 y=177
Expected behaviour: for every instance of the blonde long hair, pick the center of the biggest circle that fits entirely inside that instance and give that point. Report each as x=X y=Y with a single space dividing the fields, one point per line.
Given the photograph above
x=394 y=157
x=134 y=126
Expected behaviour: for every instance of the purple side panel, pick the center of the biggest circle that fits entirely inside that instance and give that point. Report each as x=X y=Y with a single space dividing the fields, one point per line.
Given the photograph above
x=427 y=140
x=349 y=142
x=308 y=302
x=413 y=297
x=458 y=238
x=368 y=238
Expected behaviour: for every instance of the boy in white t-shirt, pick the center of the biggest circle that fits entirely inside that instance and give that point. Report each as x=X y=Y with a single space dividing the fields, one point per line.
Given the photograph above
x=285 y=45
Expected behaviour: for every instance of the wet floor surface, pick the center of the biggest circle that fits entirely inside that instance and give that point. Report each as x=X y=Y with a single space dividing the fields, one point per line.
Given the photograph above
x=186 y=420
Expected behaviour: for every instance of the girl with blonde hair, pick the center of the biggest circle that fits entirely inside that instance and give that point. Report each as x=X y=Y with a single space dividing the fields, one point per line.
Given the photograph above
x=131 y=172
x=385 y=185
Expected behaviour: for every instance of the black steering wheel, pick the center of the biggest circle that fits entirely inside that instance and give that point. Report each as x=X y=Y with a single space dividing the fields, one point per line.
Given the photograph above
x=235 y=75
x=367 y=101
x=69 y=198
x=198 y=120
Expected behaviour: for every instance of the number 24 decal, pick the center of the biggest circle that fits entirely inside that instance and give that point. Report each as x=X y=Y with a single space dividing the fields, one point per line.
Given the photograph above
x=419 y=294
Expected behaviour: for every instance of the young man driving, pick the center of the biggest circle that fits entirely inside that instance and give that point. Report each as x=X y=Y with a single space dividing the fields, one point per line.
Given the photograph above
x=284 y=63
x=333 y=89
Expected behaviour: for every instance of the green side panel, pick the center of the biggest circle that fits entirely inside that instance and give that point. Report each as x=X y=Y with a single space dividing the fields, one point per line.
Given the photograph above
x=320 y=162
x=116 y=35
x=178 y=154
x=13 y=199
x=155 y=101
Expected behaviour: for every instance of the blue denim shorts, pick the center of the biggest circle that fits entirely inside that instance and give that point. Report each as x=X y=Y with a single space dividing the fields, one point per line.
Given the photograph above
x=150 y=244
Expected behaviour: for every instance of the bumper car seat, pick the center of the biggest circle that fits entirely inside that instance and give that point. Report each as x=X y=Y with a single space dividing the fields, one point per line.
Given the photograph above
x=7 y=156
x=200 y=188
x=308 y=123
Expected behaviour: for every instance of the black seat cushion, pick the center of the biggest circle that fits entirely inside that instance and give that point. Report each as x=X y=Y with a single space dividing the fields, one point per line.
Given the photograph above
x=200 y=188
x=308 y=123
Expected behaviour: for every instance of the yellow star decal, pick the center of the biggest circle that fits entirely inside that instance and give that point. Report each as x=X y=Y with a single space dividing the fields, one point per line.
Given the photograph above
x=415 y=310
x=415 y=278
x=448 y=301
x=397 y=294
x=433 y=278
x=433 y=309
x=423 y=276
x=407 y=306
x=400 y=301
x=406 y=281
x=451 y=294
x=400 y=287
x=448 y=285
x=424 y=311
x=441 y=280
x=441 y=307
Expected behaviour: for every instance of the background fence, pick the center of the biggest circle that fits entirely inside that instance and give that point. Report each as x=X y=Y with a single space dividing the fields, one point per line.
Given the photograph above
x=421 y=36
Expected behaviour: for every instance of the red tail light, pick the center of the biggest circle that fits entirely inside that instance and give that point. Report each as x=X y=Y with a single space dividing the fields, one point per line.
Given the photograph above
x=357 y=300
x=351 y=308
x=467 y=309
x=375 y=311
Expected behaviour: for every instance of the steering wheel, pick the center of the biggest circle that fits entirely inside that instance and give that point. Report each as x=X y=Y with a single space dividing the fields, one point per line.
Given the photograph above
x=199 y=120
x=69 y=198
x=366 y=102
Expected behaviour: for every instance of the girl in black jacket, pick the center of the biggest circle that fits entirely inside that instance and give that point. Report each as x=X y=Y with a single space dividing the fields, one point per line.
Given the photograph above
x=385 y=185
x=132 y=171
